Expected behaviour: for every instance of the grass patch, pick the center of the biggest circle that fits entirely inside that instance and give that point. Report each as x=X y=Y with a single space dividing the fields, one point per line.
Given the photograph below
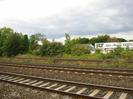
x=31 y=59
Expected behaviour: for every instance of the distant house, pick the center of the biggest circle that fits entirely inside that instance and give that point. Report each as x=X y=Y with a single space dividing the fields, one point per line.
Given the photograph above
x=110 y=46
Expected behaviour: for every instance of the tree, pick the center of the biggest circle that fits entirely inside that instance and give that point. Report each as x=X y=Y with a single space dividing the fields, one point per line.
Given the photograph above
x=84 y=40
x=4 y=35
x=33 y=42
x=105 y=38
x=51 y=48
x=67 y=43
x=24 y=44
x=12 y=43
x=11 y=46
x=99 y=39
x=56 y=48
x=45 y=48
x=130 y=40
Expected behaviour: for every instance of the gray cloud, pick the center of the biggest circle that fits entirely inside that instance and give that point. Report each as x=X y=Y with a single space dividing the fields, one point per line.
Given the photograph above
x=110 y=16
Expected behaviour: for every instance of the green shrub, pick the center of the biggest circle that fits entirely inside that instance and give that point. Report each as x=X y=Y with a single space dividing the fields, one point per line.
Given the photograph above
x=79 y=49
x=128 y=54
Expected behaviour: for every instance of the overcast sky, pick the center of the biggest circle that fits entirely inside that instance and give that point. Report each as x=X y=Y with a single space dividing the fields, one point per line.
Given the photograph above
x=77 y=17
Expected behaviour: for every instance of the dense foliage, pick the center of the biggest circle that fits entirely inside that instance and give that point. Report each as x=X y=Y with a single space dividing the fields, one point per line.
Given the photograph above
x=118 y=53
x=51 y=48
x=13 y=43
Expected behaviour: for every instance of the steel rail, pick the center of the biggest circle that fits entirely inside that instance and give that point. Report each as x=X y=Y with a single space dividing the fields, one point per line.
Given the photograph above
x=72 y=66
x=122 y=73
x=7 y=78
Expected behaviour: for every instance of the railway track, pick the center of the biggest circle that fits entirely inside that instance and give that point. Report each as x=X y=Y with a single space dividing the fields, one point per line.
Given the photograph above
x=83 y=90
x=100 y=71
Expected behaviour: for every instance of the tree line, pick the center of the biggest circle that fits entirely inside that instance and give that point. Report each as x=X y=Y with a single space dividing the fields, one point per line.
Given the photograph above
x=13 y=43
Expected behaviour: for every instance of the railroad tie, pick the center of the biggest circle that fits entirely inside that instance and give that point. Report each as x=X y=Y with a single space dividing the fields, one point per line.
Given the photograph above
x=68 y=72
x=83 y=73
x=4 y=77
x=81 y=91
x=28 y=83
x=109 y=93
x=8 y=78
x=37 y=83
x=92 y=74
x=12 y=79
x=131 y=77
x=110 y=75
x=100 y=74
x=123 y=96
x=61 y=71
x=52 y=86
x=94 y=92
x=45 y=84
x=19 y=80
x=1 y=76
x=60 y=87
x=73 y=87
x=55 y=71
x=25 y=81
x=120 y=76
x=76 y=72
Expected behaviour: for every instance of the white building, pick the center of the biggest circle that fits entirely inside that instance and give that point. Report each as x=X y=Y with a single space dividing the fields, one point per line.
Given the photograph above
x=110 y=46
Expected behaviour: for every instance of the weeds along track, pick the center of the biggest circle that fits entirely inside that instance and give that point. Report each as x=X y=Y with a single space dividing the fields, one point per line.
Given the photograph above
x=83 y=90
x=62 y=68
x=72 y=59
x=60 y=59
